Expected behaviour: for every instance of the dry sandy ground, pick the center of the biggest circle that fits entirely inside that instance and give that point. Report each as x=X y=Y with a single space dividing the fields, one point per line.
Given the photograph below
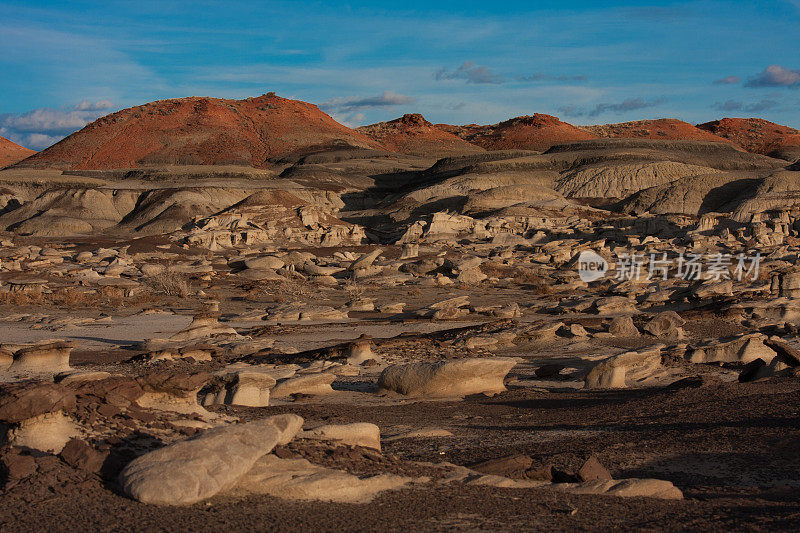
x=733 y=450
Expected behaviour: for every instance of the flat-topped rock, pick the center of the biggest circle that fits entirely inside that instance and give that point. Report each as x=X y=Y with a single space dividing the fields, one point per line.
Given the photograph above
x=28 y=399
x=356 y=434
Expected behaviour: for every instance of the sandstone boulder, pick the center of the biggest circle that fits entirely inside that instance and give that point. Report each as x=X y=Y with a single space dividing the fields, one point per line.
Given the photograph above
x=614 y=305
x=266 y=262
x=365 y=260
x=315 y=384
x=357 y=434
x=623 y=326
x=447 y=378
x=298 y=479
x=192 y=470
x=739 y=349
x=625 y=369
x=666 y=325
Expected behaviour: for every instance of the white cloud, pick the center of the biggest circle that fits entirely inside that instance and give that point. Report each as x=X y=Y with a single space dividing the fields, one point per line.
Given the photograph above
x=40 y=128
x=88 y=105
x=629 y=104
x=755 y=107
x=775 y=76
x=470 y=72
x=352 y=103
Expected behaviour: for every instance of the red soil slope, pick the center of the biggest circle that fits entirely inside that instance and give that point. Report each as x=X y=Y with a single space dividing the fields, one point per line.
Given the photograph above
x=412 y=134
x=200 y=131
x=537 y=132
x=11 y=153
x=754 y=134
x=663 y=128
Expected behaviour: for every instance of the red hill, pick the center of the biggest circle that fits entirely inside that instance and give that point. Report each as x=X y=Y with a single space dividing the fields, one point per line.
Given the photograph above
x=754 y=134
x=412 y=134
x=200 y=131
x=11 y=152
x=663 y=128
x=537 y=132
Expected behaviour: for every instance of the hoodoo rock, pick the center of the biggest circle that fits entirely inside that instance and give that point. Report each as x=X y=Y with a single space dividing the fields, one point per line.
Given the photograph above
x=51 y=357
x=172 y=391
x=32 y=415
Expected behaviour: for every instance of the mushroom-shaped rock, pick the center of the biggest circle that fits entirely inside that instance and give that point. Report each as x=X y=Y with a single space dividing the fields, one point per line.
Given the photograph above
x=192 y=470
x=51 y=357
x=444 y=379
x=247 y=388
x=172 y=391
x=409 y=250
x=618 y=370
x=357 y=434
x=203 y=325
x=315 y=384
x=360 y=350
x=32 y=415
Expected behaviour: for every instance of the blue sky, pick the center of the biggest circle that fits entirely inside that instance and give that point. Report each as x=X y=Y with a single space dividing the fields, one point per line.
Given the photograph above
x=65 y=63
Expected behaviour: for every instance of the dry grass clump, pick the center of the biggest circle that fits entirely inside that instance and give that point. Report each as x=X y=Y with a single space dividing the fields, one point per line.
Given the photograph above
x=278 y=291
x=354 y=289
x=113 y=296
x=529 y=277
x=170 y=283
x=73 y=297
x=31 y=296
